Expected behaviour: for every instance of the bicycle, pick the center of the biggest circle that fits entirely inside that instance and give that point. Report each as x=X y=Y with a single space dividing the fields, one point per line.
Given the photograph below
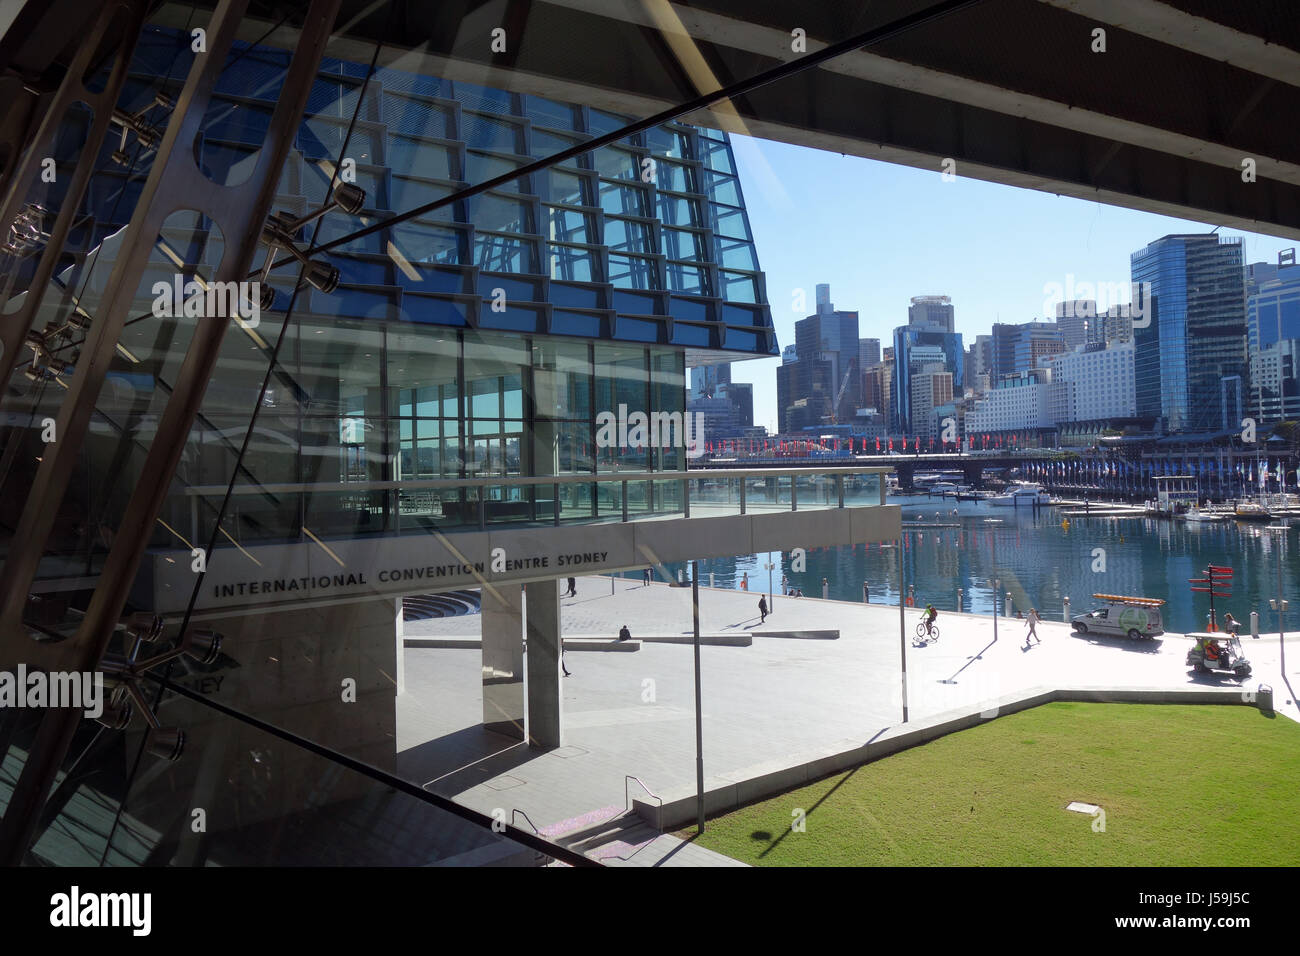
x=926 y=637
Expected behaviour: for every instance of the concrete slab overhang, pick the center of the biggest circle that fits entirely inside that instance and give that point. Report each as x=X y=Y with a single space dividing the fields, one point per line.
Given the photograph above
x=258 y=579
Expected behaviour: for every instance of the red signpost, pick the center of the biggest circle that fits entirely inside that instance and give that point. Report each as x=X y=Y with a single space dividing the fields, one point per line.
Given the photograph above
x=1215 y=577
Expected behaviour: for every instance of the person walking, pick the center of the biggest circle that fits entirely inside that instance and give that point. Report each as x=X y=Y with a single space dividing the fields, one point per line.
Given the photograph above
x=1033 y=620
x=784 y=588
x=762 y=609
x=1230 y=623
x=573 y=588
x=645 y=577
x=744 y=581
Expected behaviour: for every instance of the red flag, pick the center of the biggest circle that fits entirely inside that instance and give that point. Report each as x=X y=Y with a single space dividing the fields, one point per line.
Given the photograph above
x=891 y=444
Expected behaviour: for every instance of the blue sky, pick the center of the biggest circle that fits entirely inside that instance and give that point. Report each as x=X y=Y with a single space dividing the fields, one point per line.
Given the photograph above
x=881 y=233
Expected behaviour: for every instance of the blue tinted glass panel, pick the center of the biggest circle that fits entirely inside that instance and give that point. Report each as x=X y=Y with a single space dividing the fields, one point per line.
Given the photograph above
x=716 y=155
x=564 y=187
x=632 y=272
x=622 y=235
x=574 y=263
x=738 y=288
x=737 y=255
x=546 y=112
x=674 y=176
x=415 y=117
x=683 y=244
x=423 y=242
x=685 y=334
x=613 y=163
x=736 y=339
x=515 y=288
x=725 y=189
x=499 y=213
x=409 y=193
x=678 y=210
x=666 y=142
x=576 y=323
x=735 y=315
x=486 y=132
x=548 y=144
x=431 y=160
x=625 y=200
x=683 y=278
x=729 y=222
x=637 y=330
x=480 y=167
x=505 y=253
x=476 y=97
x=634 y=304
x=567 y=225
x=600 y=122
x=517 y=318
x=690 y=309
x=578 y=297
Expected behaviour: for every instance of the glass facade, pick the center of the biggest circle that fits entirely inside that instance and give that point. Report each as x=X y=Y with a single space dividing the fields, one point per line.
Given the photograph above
x=1193 y=337
x=428 y=346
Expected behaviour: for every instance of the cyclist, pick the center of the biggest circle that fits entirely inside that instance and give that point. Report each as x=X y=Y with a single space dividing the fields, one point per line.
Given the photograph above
x=928 y=619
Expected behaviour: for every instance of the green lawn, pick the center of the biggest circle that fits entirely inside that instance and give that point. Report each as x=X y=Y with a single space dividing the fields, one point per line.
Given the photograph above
x=1180 y=785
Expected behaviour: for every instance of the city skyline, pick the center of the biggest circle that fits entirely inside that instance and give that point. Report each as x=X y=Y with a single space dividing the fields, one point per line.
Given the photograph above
x=788 y=191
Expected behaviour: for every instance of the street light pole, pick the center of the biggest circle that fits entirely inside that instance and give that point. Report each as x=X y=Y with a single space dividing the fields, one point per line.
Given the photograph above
x=699 y=713
x=902 y=624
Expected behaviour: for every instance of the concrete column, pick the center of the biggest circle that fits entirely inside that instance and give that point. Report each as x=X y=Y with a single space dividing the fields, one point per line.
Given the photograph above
x=503 y=660
x=544 y=649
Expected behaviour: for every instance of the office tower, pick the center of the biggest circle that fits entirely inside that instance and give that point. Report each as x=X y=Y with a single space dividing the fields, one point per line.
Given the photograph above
x=829 y=381
x=1018 y=347
x=1273 y=337
x=705 y=379
x=915 y=346
x=1111 y=327
x=933 y=310
x=1072 y=319
x=1189 y=331
x=868 y=353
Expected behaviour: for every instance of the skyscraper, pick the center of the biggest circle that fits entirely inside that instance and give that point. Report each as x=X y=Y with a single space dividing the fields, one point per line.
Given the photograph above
x=915 y=346
x=1190 y=343
x=1017 y=348
x=1273 y=337
x=931 y=310
x=868 y=353
x=826 y=343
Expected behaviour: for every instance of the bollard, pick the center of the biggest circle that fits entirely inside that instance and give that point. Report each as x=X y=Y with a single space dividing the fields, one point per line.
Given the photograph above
x=826 y=589
x=866 y=593
x=710 y=579
x=1007 y=607
x=1067 y=609
x=959 y=594
x=1254 y=624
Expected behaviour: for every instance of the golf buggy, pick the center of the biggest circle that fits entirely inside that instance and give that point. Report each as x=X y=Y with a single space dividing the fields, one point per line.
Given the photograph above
x=1218 y=654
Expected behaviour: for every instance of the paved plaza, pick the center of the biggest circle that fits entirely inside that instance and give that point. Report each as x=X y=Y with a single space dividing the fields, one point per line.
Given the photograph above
x=632 y=713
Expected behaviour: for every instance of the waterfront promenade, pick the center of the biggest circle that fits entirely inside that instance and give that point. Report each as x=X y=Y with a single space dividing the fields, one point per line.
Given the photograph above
x=631 y=711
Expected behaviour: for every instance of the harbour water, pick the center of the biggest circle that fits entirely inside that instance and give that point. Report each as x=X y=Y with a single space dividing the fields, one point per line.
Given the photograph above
x=1041 y=563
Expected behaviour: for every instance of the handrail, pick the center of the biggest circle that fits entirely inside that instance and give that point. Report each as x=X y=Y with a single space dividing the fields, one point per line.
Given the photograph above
x=498 y=481
x=627 y=796
x=516 y=810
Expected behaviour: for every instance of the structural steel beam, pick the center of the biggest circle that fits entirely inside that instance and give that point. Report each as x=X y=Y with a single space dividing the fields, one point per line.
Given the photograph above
x=175 y=183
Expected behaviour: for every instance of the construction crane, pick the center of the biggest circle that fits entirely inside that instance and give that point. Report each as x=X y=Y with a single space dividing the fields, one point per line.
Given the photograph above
x=835 y=407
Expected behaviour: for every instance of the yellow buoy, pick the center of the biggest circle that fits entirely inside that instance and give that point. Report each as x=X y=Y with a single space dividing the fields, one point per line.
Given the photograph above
x=1065 y=525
